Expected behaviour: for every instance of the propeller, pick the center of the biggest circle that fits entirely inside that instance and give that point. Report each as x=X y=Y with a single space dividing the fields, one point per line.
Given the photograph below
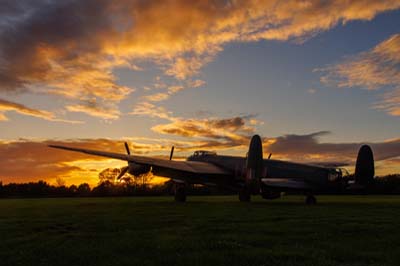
x=127 y=148
x=269 y=156
x=172 y=153
x=126 y=168
x=123 y=172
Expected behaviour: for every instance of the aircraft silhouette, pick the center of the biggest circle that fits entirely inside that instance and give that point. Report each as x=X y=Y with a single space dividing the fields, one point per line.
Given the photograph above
x=248 y=175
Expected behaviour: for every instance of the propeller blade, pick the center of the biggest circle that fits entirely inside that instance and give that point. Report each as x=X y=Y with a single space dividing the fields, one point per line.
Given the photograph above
x=123 y=172
x=172 y=153
x=127 y=148
x=269 y=156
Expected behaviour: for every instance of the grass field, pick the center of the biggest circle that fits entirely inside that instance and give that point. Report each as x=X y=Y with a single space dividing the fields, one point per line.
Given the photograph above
x=340 y=230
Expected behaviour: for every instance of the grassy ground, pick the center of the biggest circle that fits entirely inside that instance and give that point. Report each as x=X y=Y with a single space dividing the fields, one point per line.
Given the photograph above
x=340 y=230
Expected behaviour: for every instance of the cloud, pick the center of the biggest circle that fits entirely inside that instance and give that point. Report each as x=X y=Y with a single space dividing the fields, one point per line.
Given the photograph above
x=376 y=69
x=6 y=106
x=162 y=96
x=390 y=102
x=213 y=133
x=196 y=83
x=70 y=48
x=184 y=67
x=311 y=91
x=170 y=90
x=220 y=133
x=22 y=109
x=30 y=160
x=309 y=148
x=149 y=109
x=91 y=107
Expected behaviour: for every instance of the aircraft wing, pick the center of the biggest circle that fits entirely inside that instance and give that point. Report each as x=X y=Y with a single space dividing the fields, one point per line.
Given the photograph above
x=330 y=164
x=287 y=183
x=181 y=166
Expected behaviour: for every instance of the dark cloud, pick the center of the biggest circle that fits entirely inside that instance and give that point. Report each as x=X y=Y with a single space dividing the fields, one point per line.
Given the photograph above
x=57 y=48
x=309 y=148
x=232 y=131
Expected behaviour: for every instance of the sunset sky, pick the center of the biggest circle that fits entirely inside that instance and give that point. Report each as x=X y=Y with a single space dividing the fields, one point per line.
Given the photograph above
x=316 y=79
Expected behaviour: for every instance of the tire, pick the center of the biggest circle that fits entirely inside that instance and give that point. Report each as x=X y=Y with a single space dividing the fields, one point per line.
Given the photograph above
x=311 y=200
x=180 y=194
x=244 y=195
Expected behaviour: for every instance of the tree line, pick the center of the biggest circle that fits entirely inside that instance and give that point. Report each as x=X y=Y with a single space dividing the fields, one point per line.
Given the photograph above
x=141 y=186
x=107 y=186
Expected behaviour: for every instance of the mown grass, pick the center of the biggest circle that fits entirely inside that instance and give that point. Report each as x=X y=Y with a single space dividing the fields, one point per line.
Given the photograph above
x=340 y=230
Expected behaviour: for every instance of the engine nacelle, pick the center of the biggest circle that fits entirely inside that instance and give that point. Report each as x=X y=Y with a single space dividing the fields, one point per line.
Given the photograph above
x=138 y=169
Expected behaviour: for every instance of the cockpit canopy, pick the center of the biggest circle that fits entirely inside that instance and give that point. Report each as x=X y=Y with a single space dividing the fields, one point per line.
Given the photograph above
x=203 y=153
x=336 y=174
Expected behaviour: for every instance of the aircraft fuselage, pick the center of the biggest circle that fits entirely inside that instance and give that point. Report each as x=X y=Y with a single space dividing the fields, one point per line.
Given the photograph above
x=321 y=177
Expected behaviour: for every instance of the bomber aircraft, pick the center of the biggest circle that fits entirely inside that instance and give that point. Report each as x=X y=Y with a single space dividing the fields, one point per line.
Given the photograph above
x=248 y=175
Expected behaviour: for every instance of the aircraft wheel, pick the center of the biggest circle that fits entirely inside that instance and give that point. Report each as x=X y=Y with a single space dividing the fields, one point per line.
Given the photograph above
x=180 y=194
x=311 y=200
x=244 y=195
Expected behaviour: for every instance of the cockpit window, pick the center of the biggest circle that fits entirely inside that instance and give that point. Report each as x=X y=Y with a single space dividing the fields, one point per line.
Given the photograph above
x=335 y=174
x=203 y=153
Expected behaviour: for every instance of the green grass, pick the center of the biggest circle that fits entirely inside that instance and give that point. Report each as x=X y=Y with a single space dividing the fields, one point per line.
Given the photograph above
x=340 y=230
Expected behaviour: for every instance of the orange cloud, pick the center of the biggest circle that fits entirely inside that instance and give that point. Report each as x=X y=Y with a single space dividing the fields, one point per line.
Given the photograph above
x=29 y=160
x=219 y=133
x=22 y=109
x=372 y=70
x=390 y=102
x=170 y=90
x=209 y=128
x=162 y=96
x=149 y=109
x=91 y=107
x=6 y=106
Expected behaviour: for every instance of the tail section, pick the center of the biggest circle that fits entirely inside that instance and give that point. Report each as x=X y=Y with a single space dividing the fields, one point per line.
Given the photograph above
x=365 y=168
x=255 y=157
x=254 y=165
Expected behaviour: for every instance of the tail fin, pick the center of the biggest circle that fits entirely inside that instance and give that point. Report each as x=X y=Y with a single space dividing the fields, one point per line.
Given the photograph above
x=254 y=164
x=365 y=169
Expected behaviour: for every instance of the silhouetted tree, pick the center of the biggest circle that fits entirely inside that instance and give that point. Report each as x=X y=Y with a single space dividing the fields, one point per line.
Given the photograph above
x=146 y=179
x=109 y=174
x=105 y=188
x=73 y=190
x=84 y=190
x=60 y=182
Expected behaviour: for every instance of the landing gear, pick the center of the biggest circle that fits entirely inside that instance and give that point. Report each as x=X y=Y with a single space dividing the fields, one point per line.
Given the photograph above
x=269 y=194
x=244 y=195
x=311 y=200
x=180 y=193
